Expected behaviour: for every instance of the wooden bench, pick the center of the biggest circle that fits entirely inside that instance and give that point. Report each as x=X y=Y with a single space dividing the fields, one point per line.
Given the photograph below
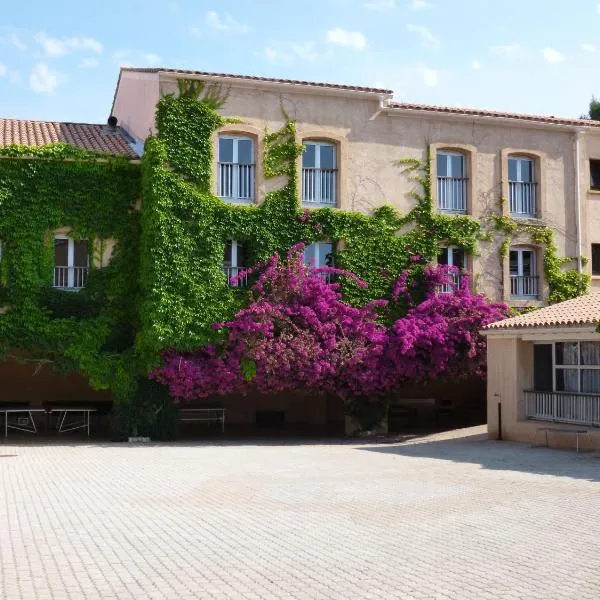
x=547 y=430
x=203 y=415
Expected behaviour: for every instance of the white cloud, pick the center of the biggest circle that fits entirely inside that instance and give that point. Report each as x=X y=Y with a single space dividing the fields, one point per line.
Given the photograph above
x=15 y=77
x=552 y=56
x=151 y=59
x=55 y=47
x=476 y=64
x=305 y=50
x=350 y=39
x=196 y=31
x=271 y=54
x=588 y=47
x=43 y=80
x=430 y=76
x=509 y=50
x=380 y=4
x=89 y=63
x=3 y=69
x=17 y=42
x=598 y=8
x=225 y=23
x=418 y=4
x=427 y=38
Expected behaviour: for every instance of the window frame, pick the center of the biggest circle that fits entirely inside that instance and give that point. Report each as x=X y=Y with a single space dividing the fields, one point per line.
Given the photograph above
x=596 y=163
x=319 y=245
x=595 y=271
x=533 y=262
x=520 y=159
x=70 y=266
x=318 y=144
x=463 y=178
x=235 y=185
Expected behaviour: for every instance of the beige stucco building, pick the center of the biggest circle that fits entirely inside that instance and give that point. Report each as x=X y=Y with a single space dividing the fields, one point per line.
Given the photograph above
x=541 y=170
x=544 y=375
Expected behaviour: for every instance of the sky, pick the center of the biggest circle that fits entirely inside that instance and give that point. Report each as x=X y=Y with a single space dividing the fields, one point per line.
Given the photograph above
x=60 y=59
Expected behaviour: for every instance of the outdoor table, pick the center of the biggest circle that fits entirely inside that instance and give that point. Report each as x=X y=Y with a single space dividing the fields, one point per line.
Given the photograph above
x=63 y=411
x=28 y=426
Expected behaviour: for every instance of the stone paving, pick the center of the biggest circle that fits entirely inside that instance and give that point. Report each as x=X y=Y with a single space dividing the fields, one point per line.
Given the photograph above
x=450 y=516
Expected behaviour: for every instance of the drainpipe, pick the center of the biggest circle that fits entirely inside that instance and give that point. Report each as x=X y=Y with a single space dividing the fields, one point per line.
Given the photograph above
x=578 y=137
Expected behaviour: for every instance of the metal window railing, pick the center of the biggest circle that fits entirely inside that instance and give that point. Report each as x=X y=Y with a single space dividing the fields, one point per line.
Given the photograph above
x=523 y=198
x=524 y=286
x=241 y=280
x=456 y=283
x=70 y=277
x=563 y=407
x=319 y=187
x=452 y=194
x=235 y=182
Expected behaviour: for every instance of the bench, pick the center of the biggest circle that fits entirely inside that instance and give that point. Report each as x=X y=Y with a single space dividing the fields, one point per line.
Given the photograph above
x=547 y=430
x=203 y=415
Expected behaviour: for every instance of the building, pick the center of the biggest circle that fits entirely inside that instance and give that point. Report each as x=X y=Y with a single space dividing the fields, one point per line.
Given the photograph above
x=541 y=171
x=544 y=375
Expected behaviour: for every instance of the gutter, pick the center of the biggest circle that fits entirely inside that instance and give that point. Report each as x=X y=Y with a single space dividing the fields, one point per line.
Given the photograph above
x=578 y=136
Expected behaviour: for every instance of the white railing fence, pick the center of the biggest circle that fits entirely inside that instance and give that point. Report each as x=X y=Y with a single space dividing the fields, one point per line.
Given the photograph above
x=236 y=182
x=70 y=277
x=525 y=286
x=563 y=407
x=455 y=283
x=523 y=198
x=452 y=194
x=241 y=281
x=319 y=186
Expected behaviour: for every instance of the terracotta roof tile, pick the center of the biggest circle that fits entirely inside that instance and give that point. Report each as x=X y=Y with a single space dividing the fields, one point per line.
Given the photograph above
x=100 y=138
x=584 y=310
x=475 y=112
x=336 y=86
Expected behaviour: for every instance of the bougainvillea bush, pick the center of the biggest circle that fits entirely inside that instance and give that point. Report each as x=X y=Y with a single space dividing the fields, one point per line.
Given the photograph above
x=298 y=333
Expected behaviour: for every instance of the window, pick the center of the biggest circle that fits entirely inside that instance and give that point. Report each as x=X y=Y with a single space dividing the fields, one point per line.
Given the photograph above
x=234 y=262
x=595 y=259
x=453 y=257
x=523 y=277
x=451 y=182
x=319 y=254
x=71 y=263
x=235 y=176
x=577 y=367
x=319 y=174
x=595 y=175
x=522 y=188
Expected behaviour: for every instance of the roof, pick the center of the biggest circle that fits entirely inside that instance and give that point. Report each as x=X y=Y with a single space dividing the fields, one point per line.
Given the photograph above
x=335 y=86
x=476 y=112
x=86 y=136
x=584 y=310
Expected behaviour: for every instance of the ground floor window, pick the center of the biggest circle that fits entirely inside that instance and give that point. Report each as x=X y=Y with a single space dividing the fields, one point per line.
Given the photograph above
x=234 y=263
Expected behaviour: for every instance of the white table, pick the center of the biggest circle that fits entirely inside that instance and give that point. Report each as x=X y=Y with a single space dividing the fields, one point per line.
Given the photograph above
x=203 y=415
x=29 y=424
x=63 y=411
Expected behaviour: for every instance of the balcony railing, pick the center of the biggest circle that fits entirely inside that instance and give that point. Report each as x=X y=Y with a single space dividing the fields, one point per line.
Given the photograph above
x=525 y=286
x=563 y=407
x=523 y=198
x=457 y=282
x=236 y=182
x=72 y=278
x=319 y=187
x=452 y=194
x=241 y=280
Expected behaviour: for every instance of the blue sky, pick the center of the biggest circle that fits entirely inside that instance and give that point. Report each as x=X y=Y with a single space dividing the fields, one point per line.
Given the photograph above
x=60 y=59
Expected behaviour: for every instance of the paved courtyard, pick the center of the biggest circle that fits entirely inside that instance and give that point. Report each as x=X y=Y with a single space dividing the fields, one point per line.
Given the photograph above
x=451 y=516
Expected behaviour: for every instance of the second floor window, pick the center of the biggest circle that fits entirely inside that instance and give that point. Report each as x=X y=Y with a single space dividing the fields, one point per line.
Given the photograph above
x=452 y=182
x=319 y=174
x=235 y=176
x=523 y=273
x=522 y=188
x=234 y=262
x=452 y=256
x=71 y=263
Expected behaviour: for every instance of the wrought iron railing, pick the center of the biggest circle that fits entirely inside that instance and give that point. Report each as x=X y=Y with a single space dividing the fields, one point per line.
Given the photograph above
x=319 y=187
x=70 y=277
x=452 y=194
x=235 y=182
x=525 y=286
x=238 y=274
x=523 y=198
x=563 y=407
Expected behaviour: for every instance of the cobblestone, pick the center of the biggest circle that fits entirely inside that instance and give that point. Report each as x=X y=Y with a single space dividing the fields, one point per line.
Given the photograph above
x=450 y=517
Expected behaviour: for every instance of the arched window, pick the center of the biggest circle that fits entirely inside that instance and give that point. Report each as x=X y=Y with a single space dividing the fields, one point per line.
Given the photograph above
x=522 y=187
x=319 y=174
x=451 y=181
x=235 y=168
x=523 y=273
